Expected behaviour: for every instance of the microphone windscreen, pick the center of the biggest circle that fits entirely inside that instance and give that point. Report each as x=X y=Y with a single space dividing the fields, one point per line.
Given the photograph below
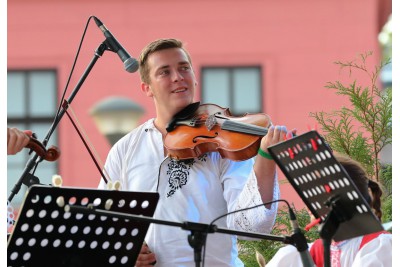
x=131 y=65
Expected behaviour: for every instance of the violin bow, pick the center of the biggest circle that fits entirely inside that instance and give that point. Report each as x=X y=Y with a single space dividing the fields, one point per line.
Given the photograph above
x=89 y=147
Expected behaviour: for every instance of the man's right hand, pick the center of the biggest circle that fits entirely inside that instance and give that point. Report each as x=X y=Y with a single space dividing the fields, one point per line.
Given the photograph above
x=17 y=140
x=146 y=258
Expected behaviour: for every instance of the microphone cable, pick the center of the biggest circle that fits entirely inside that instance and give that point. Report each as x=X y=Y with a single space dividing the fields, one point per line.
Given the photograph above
x=55 y=122
x=235 y=211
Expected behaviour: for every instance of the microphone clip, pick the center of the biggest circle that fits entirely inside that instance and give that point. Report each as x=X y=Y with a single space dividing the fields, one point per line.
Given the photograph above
x=299 y=240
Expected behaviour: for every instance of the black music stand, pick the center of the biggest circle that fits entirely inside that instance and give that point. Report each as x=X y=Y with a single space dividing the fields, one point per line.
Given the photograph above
x=325 y=187
x=46 y=236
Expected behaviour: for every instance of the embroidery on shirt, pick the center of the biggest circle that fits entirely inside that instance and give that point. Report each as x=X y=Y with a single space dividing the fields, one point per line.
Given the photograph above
x=178 y=173
x=336 y=250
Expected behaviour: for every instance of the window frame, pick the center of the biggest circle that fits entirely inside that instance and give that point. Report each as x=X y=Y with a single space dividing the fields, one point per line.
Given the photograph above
x=230 y=69
x=28 y=121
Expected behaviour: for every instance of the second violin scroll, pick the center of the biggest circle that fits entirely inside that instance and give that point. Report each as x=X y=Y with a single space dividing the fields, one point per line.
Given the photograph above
x=211 y=128
x=50 y=154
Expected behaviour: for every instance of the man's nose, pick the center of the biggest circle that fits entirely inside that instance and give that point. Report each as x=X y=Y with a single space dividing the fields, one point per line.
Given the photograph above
x=177 y=76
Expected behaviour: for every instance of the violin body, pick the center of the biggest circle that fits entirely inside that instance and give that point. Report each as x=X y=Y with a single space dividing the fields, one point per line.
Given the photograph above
x=208 y=131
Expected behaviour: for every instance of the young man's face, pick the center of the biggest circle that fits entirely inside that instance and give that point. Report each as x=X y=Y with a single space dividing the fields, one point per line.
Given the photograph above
x=172 y=80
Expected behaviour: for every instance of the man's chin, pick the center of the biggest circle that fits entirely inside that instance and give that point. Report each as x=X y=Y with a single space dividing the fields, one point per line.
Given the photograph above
x=182 y=103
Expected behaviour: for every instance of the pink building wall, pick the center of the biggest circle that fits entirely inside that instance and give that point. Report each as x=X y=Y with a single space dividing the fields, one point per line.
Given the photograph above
x=296 y=43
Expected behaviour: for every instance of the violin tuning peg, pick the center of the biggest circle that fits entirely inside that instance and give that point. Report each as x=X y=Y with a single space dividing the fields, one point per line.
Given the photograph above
x=116 y=185
x=56 y=180
x=108 y=204
x=109 y=185
x=60 y=201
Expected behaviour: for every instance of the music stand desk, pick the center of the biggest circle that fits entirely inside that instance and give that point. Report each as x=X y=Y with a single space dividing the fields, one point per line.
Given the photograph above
x=44 y=235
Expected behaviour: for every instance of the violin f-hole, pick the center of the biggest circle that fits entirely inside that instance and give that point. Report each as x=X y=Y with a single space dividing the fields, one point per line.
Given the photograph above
x=204 y=136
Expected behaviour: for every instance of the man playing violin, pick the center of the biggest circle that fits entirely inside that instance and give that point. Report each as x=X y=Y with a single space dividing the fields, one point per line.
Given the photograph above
x=195 y=190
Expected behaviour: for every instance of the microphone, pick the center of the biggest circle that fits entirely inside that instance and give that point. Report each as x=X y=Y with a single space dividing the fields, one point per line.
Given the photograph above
x=131 y=65
x=300 y=241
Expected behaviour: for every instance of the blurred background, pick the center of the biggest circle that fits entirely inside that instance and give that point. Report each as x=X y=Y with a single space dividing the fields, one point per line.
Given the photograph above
x=251 y=56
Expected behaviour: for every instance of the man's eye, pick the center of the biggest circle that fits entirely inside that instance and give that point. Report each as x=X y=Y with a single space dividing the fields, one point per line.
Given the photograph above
x=164 y=72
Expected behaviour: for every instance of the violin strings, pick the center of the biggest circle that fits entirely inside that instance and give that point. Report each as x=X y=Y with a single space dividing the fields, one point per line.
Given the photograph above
x=243 y=128
x=235 y=126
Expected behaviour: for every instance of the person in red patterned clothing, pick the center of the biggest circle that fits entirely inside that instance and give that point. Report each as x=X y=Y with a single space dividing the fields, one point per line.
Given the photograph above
x=373 y=250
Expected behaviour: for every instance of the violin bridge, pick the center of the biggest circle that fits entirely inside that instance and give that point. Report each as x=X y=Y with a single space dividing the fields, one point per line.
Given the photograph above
x=210 y=122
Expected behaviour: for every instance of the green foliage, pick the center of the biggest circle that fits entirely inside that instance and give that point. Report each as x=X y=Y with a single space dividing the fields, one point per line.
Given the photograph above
x=364 y=128
x=360 y=131
x=247 y=248
x=386 y=181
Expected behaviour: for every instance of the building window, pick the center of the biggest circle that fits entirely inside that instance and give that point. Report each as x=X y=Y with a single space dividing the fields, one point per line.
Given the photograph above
x=31 y=104
x=239 y=88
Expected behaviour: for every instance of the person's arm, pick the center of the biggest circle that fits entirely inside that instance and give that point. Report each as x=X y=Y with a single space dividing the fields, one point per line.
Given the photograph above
x=377 y=252
x=265 y=167
x=17 y=140
x=261 y=187
x=287 y=256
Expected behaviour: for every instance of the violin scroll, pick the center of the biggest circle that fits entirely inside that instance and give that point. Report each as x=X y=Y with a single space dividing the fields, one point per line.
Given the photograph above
x=50 y=154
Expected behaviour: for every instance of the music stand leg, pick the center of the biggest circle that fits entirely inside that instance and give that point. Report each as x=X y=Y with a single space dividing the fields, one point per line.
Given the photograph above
x=327 y=251
x=326 y=231
x=338 y=214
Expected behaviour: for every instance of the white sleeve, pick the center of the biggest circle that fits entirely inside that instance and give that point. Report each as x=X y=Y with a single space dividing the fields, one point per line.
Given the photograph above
x=112 y=167
x=376 y=253
x=287 y=256
x=259 y=219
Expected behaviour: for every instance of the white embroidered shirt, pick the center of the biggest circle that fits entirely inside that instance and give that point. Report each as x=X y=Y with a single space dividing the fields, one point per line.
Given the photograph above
x=197 y=190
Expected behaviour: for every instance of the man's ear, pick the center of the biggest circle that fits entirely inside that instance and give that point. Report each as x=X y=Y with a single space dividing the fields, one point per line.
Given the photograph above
x=146 y=89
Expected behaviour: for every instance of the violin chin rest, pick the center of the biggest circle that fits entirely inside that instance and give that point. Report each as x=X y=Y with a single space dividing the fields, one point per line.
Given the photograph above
x=184 y=114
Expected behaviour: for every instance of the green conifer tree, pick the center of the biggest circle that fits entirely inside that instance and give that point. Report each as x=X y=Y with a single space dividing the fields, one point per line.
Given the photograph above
x=365 y=127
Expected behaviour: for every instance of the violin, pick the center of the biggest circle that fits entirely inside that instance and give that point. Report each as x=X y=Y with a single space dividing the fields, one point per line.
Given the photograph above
x=51 y=154
x=199 y=129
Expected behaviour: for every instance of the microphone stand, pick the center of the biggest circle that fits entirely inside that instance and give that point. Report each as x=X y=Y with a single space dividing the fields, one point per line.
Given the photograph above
x=300 y=242
x=27 y=178
x=198 y=231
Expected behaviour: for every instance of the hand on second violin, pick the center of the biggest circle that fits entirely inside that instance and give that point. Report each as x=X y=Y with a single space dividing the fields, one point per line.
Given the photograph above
x=265 y=167
x=146 y=258
x=276 y=134
x=17 y=140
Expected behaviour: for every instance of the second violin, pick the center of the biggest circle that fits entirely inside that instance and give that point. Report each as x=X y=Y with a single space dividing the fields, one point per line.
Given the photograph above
x=199 y=129
x=51 y=154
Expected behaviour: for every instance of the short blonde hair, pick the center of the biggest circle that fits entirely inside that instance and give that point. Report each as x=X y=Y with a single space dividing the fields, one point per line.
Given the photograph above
x=152 y=47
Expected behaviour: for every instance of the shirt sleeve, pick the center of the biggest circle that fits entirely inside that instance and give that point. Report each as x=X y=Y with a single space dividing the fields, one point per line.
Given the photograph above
x=112 y=167
x=376 y=253
x=258 y=219
x=287 y=256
